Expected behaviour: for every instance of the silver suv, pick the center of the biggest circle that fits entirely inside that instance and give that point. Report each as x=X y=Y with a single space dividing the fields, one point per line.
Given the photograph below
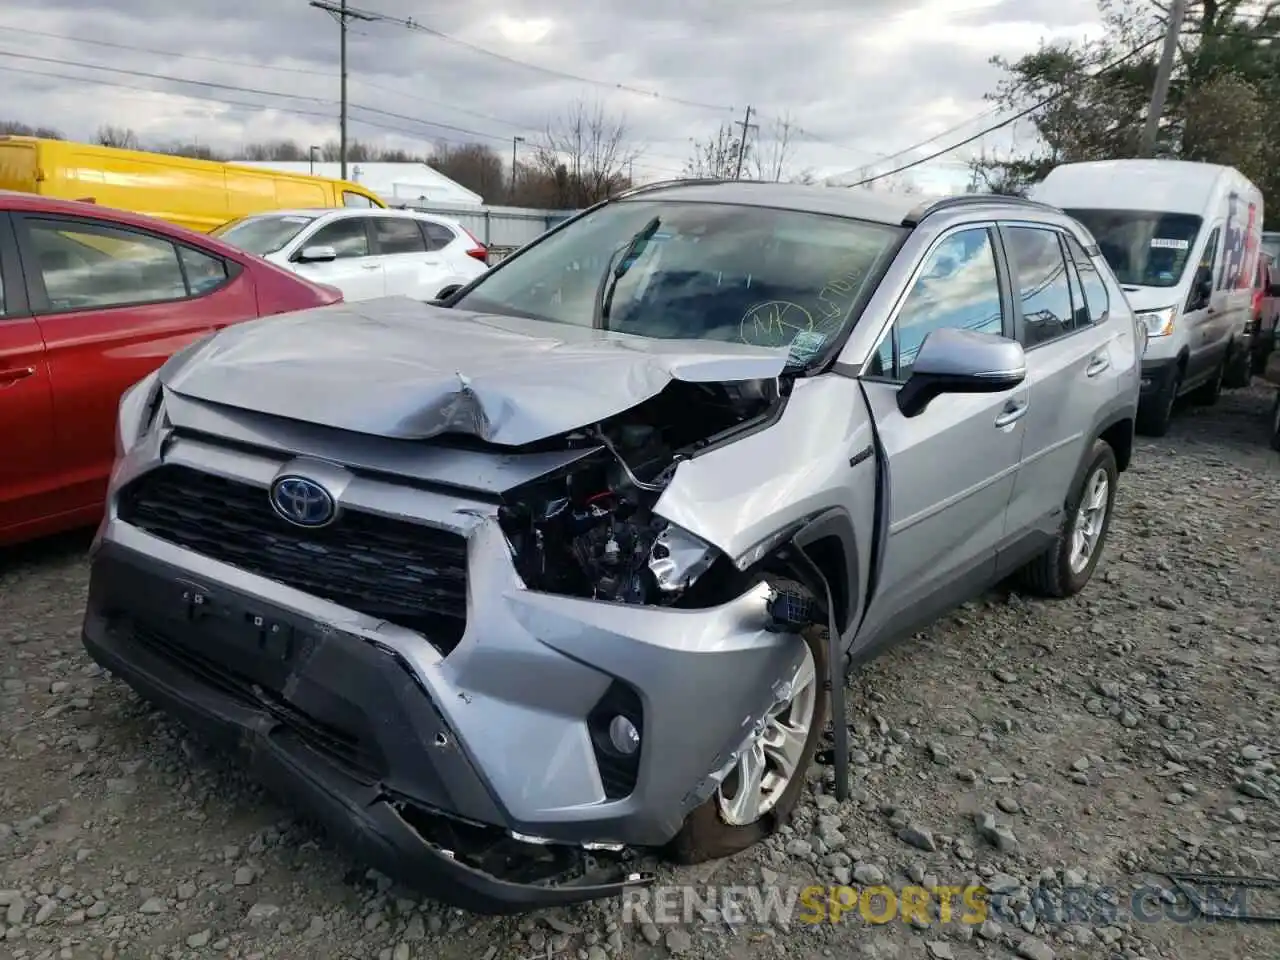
x=504 y=588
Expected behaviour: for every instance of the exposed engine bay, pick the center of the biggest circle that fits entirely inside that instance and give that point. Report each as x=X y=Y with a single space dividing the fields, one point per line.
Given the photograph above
x=590 y=530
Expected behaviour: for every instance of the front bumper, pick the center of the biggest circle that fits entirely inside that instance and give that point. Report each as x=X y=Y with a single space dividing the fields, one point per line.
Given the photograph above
x=1156 y=375
x=289 y=742
x=388 y=742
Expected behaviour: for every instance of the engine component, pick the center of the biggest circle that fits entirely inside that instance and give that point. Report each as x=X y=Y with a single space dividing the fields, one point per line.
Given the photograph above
x=591 y=531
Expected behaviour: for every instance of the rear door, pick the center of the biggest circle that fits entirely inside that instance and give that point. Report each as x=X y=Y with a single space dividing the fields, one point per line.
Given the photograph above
x=952 y=467
x=28 y=491
x=113 y=303
x=358 y=272
x=1061 y=312
x=411 y=269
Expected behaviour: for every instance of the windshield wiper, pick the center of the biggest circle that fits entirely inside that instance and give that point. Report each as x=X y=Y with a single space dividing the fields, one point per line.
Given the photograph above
x=630 y=252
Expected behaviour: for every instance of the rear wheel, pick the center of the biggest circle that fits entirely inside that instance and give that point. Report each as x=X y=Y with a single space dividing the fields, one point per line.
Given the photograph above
x=1067 y=566
x=763 y=784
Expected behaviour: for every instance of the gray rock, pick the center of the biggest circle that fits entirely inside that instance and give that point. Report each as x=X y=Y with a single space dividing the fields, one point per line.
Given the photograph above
x=1032 y=949
x=917 y=837
x=868 y=874
x=198 y=940
x=153 y=905
x=679 y=941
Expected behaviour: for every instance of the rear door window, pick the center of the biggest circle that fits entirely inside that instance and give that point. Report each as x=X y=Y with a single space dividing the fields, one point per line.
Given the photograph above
x=1040 y=282
x=398 y=235
x=1096 y=297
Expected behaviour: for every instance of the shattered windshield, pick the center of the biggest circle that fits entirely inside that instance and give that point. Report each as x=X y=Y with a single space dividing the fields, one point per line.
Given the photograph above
x=724 y=272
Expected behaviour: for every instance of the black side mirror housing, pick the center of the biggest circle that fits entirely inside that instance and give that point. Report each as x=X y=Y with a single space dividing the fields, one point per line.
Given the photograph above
x=953 y=360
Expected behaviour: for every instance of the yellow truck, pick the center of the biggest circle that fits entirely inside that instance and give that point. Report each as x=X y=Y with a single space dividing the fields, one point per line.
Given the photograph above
x=197 y=194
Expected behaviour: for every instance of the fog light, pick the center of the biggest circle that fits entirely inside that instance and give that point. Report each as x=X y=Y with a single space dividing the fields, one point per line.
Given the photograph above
x=624 y=736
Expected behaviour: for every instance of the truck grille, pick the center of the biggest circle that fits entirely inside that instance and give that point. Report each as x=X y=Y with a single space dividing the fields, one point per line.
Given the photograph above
x=411 y=575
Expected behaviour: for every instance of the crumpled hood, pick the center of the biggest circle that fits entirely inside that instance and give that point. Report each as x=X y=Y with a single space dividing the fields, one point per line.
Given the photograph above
x=404 y=369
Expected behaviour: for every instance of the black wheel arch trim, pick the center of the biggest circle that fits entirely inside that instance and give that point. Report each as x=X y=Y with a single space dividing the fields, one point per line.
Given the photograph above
x=833 y=523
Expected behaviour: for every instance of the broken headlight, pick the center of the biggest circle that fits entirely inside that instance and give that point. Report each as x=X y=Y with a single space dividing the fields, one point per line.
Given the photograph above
x=605 y=548
x=137 y=413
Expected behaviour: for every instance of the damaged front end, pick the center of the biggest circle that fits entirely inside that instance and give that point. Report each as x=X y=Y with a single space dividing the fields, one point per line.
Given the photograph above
x=519 y=754
x=591 y=530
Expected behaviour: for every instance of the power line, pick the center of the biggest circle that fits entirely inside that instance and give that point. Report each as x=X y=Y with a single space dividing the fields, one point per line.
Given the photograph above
x=410 y=24
x=242 y=64
x=268 y=108
x=1014 y=118
x=257 y=91
x=9 y=28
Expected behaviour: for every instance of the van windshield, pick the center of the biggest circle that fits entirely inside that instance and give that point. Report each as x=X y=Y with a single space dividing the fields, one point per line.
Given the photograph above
x=1144 y=248
x=264 y=233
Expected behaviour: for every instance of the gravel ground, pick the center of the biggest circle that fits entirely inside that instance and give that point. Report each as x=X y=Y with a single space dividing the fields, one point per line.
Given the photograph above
x=1054 y=753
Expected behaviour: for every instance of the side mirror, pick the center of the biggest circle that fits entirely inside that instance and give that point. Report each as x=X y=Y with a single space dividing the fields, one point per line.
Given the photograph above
x=1273 y=290
x=318 y=254
x=952 y=360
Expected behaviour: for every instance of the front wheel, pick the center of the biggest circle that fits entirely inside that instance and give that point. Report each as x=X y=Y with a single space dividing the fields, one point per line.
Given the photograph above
x=1156 y=413
x=1275 y=423
x=761 y=788
x=1067 y=566
x=1239 y=365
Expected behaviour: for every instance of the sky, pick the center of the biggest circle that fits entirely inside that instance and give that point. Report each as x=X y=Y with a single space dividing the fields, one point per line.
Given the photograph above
x=858 y=82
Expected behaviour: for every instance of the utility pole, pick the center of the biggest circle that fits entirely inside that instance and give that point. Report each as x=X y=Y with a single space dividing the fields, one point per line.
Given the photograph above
x=340 y=13
x=1163 y=74
x=747 y=126
x=514 y=141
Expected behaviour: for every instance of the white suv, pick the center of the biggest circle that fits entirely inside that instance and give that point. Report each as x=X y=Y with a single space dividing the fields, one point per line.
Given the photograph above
x=365 y=253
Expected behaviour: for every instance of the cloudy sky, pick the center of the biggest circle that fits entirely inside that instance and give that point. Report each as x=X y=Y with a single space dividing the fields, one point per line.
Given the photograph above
x=859 y=81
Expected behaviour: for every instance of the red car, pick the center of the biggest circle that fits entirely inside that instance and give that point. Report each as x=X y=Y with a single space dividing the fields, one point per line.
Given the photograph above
x=91 y=301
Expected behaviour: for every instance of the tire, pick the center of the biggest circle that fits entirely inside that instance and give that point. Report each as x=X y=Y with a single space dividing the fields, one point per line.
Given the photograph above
x=1154 y=416
x=1210 y=392
x=1275 y=423
x=1239 y=364
x=1052 y=574
x=707 y=834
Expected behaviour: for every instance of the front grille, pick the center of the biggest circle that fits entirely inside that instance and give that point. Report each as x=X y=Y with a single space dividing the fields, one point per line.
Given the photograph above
x=411 y=575
x=343 y=747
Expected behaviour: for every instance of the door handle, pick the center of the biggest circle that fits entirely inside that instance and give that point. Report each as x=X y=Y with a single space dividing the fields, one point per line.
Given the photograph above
x=370 y=266
x=8 y=377
x=1096 y=366
x=1013 y=411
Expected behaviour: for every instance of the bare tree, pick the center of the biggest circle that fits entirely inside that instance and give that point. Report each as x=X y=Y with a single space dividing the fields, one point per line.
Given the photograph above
x=113 y=136
x=196 y=151
x=585 y=154
x=772 y=154
x=14 y=128
x=716 y=158
x=475 y=166
x=274 y=150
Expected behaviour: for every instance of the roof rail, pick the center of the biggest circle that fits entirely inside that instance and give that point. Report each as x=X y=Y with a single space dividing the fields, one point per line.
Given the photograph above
x=676 y=182
x=930 y=207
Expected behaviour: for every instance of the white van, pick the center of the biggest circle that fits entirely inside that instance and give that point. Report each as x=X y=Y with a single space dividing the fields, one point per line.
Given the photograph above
x=1183 y=239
